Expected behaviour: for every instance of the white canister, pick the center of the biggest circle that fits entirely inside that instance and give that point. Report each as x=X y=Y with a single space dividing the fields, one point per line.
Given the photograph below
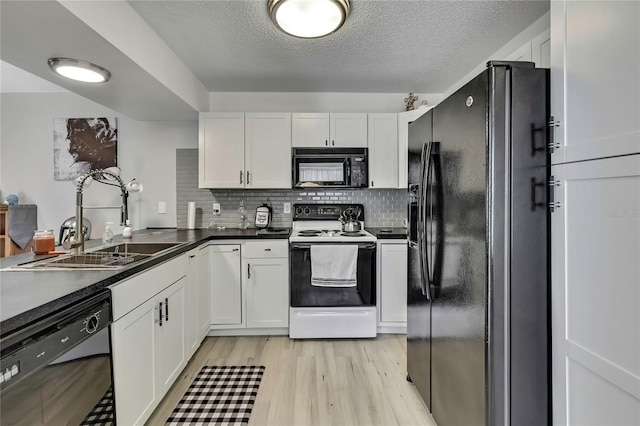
x=191 y=215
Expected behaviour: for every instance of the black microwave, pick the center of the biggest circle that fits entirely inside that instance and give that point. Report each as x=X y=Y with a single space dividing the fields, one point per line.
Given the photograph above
x=330 y=168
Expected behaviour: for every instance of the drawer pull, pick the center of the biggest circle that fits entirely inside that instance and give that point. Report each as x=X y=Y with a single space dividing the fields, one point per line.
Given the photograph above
x=267 y=249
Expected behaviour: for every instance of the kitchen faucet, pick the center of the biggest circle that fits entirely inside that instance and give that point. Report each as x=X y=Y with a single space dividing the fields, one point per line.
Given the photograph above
x=77 y=241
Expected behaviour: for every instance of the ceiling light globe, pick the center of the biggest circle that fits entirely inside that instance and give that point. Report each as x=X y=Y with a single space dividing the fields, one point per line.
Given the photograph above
x=309 y=18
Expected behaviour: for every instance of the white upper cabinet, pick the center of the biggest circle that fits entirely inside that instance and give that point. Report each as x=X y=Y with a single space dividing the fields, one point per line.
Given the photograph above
x=221 y=150
x=404 y=119
x=268 y=150
x=344 y=130
x=595 y=64
x=240 y=150
x=383 y=150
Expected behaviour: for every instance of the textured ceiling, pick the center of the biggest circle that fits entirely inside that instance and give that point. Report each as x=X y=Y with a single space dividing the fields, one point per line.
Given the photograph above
x=386 y=46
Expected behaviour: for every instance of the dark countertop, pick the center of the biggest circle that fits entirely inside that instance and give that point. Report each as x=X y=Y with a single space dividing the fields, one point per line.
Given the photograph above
x=388 y=233
x=26 y=296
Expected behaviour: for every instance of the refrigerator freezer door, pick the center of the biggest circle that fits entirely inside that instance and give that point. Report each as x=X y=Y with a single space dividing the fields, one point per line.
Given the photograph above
x=458 y=330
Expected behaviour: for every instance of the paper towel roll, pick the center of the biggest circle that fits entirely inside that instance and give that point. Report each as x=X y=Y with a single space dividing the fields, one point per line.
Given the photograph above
x=191 y=215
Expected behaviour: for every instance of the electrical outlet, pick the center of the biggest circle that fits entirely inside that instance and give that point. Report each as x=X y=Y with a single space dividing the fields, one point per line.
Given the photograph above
x=216 y=209
x=162 y=207
x=287 y=207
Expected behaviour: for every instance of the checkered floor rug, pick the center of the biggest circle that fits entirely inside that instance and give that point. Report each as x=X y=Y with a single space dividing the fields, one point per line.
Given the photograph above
x=219 y=395
x=102 y=413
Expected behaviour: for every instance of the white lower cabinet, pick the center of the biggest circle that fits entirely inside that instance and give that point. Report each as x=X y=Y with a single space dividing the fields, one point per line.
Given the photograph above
x=250 y=287
x=149 y=349
x=267 y=292
x=392 y=285
x=198 y=298
x=225 y=283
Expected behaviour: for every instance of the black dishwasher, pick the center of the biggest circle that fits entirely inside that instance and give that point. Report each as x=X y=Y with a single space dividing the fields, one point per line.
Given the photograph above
x=58 y=370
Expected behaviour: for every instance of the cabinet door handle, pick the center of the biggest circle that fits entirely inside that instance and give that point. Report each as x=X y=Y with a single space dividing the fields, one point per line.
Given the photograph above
x=247 y=177
x=248 y=270
x=160 y=314
x=333 y=142
x=326 y=143
x=241 y=176
x=191 y=256
x=166 y=309
x=371 y=183
x=267 y=249
x=235 y=249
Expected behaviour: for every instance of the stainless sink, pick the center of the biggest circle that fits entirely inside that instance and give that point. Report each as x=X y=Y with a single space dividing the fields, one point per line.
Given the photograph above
x=138 y=248
x=113 y=257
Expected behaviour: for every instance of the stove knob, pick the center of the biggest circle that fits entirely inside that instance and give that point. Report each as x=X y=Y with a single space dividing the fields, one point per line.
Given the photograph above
x=298 y=211
x=307 y=210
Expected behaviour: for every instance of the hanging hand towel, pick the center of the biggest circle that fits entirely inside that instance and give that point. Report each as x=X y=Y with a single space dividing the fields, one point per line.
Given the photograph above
x=334 y=265
x=22 y=223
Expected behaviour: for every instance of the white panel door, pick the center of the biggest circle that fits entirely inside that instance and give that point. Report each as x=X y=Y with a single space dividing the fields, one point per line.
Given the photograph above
x=310 y=130
x=596 y=68
x=133 y=340
x=221 y=150
x=268 y=150
x=226 y=287
x=383 y=150
x=348 y=130
x=404 y=119
x=596 y=292
x=203 y=292
x=172 y=337
x=267 y=292
x=393 y=282
x=193 y=328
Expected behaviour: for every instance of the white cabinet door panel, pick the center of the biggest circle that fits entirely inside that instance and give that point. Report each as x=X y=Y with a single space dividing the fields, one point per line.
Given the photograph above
x=268 y=150
x=221 y=150
x=226 y=289
x=383 y=150
x=596 y=290
x=267 y=293
x=134 y=364
x=393 y=282
x=599 y=66
x=203 y=292
x=310 y=130
x=348 y=130
x=172 y=344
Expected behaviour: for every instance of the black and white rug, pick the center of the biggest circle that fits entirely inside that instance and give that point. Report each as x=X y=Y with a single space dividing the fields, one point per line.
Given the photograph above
x=222 y=395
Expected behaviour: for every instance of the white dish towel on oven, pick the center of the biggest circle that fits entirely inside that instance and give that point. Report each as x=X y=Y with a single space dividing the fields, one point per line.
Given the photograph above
x=334 y=265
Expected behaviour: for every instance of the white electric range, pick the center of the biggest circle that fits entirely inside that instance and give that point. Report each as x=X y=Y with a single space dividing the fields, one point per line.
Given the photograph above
x=332 y=274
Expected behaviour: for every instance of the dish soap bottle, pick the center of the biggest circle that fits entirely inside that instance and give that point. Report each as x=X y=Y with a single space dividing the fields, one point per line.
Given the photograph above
x=107 y=235
x=126 y=232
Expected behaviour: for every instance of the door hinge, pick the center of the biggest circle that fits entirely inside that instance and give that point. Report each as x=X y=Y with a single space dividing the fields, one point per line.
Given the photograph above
x=553 y=144
x=553 y=184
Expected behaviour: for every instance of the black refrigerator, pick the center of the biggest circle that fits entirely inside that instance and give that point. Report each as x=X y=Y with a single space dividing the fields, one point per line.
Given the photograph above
x=478 y=313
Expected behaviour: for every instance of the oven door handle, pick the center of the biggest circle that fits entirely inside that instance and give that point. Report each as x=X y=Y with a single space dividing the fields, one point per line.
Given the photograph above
x=365 y=246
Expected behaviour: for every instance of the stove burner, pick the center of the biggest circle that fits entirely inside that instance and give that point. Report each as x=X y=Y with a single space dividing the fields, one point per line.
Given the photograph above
x=310 y=233
x=353 y=234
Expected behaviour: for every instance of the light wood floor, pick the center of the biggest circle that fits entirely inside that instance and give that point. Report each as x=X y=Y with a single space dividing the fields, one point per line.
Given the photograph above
x=315 y=382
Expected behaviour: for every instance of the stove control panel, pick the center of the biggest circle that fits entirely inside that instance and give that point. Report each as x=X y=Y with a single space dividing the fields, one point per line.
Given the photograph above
x=326 y=211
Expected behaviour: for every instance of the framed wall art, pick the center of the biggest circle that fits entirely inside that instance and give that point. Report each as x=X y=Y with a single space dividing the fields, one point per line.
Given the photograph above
x=83 y=144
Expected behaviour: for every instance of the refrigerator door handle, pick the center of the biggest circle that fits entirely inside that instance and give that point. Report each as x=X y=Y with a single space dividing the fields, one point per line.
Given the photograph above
x=438 y=219
x=425 y=202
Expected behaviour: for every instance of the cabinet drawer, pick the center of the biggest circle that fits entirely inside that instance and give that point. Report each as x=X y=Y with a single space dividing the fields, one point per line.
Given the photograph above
x=262 y=249
x=133 y=292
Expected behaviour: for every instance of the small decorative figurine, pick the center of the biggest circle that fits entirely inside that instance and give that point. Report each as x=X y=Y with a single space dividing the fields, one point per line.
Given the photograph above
x=408 y=102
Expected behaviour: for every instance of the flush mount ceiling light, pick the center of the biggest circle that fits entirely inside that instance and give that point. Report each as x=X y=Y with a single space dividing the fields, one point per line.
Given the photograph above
x=308 y=18
x=78 y=70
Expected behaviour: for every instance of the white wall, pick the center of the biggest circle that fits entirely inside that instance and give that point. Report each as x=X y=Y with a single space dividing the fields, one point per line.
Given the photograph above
x=313 y=102
x=146 y=151
x=541 y=25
